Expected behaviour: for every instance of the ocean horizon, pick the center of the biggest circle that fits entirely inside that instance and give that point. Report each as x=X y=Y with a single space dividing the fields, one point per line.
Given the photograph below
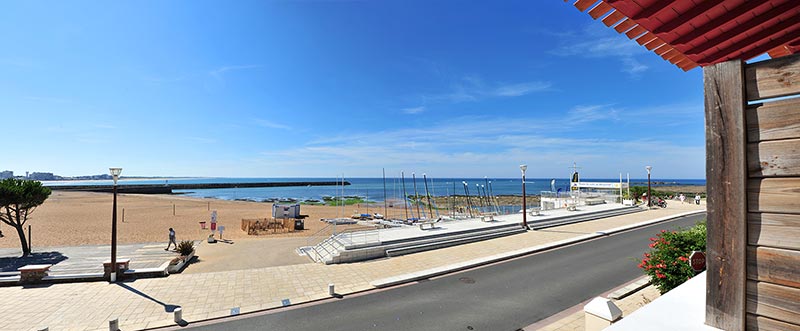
x=370 y=188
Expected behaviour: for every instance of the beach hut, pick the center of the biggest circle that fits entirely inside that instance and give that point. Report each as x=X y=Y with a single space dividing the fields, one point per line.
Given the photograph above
x=752 y=114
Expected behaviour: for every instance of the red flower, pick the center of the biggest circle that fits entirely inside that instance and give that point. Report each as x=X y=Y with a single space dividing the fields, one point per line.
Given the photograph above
x=683 y=258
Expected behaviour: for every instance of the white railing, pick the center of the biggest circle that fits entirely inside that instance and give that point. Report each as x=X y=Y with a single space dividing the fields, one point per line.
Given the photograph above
x=356 y=237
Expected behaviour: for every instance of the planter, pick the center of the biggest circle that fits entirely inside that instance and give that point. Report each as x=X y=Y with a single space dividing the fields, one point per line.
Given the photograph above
x=183 y=260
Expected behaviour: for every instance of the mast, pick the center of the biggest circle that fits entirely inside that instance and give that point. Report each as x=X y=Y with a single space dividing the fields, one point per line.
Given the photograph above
x=480 y=198
x=469 y=203
x=494 y=198
x=405 y=196
x=430 y=206
x=385 y=213
x=485 y=193
x=453 y=200
x=416 y=195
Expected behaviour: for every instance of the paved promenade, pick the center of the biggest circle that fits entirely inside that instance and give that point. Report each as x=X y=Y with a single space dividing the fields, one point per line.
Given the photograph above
x=148 y=303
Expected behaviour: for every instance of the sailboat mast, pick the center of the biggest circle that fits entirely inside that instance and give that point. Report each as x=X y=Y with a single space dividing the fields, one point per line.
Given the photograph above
x=385 y=213
x=405 y=196
x=469 y=203
x=416 y=195
x=430 y=206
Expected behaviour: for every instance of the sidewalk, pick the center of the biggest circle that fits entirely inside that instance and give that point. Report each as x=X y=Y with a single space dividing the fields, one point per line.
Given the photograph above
x=148 y=303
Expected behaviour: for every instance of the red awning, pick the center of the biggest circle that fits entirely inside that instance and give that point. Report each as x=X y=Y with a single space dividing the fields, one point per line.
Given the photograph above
x=690 y=33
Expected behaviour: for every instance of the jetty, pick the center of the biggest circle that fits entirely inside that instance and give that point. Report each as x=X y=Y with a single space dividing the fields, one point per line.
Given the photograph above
x=167 y=188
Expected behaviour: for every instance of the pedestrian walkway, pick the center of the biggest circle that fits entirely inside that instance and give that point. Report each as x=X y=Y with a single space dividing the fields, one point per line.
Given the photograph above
x=148 y=303
x=86 y=259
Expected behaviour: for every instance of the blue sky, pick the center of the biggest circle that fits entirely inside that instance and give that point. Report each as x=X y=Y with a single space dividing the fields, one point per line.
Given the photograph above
x=321 y=88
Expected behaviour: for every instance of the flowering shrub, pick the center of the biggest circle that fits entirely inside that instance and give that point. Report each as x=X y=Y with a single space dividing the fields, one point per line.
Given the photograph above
x=667 y=263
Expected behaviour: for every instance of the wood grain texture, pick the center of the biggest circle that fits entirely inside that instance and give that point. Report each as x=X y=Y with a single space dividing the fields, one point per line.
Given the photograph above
x=779 y=158
x=726 y=171
x=774 y=195
x=777 y=302
x=761 y=323
x=773 y=120
x=774 y=78
x=774 y=265
x=774 y=230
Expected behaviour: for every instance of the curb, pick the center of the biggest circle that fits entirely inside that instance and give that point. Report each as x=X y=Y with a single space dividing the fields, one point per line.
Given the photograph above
x=433 y=272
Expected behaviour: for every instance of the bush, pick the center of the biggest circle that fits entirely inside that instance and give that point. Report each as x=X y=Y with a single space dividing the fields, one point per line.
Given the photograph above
x=186 y=247
x=667 y=263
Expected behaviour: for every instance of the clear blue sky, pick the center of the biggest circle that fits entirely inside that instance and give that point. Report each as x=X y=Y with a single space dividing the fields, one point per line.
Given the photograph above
x=321 y=88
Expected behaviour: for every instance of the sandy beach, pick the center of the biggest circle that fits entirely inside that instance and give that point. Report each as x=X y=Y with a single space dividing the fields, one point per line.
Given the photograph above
x=84 y=218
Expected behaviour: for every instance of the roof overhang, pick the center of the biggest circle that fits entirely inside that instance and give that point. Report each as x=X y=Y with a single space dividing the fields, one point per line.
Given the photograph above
x=699 y=33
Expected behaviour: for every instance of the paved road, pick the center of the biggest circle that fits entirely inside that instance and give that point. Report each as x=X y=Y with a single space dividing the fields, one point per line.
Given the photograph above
x=504 y=296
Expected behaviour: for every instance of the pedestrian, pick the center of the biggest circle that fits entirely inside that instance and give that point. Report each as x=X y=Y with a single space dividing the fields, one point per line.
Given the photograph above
x=697 y=199
x=171 y=239
x=683 y=198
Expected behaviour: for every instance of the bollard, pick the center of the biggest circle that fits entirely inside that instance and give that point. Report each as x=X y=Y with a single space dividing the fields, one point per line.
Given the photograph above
x=600 y=313
x=178 y=315
x=113 y=325
x=331 y=291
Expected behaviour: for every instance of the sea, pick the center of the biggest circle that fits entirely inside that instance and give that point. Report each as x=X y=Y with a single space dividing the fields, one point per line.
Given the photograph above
x=372 y=188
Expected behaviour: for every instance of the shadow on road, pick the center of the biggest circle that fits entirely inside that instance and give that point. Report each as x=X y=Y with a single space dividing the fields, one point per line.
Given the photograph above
x=13 y=263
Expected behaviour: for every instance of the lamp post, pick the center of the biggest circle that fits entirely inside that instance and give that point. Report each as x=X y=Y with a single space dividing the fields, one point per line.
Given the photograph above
x=113 y=276
x=524 y=205
x=649 y=196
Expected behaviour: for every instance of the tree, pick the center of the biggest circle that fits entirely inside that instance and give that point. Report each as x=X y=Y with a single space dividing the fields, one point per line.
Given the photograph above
x=18 y=199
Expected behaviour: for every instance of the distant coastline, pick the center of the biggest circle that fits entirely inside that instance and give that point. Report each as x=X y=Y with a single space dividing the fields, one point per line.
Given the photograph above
x=372 y=189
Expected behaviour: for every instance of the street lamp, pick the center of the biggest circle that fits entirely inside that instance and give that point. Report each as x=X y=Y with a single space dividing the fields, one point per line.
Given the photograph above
x=113 y=276
x=649 y=196
x=524 y=205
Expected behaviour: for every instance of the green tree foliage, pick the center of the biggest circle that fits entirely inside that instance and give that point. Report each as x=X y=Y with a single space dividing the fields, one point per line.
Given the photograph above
x=667 y=263
x=18 y=199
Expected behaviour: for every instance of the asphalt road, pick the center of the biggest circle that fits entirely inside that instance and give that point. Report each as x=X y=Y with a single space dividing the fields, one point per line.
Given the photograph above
x=504 y=296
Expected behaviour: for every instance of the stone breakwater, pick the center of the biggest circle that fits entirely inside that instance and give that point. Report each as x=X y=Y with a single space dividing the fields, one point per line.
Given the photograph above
x=167 y=188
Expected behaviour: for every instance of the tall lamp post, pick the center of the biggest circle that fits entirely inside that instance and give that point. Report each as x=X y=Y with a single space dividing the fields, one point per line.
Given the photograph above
x=524 y=205
x=649 y=196
x=113 y=276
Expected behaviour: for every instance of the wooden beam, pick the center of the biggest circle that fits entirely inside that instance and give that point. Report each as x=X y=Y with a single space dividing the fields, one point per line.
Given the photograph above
x=774 y=78
x=774 y=195
x=773 y=120
x=726 y=171
x=774 y=265
x=761 y=323
x=773 y=301
x=774 y=230
x=778 y=158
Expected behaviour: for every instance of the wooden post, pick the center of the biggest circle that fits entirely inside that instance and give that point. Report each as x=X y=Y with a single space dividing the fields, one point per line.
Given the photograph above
x=173 y=209
x=726 y=174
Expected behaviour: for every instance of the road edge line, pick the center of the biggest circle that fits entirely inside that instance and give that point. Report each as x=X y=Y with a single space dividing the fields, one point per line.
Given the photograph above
x=455 y=267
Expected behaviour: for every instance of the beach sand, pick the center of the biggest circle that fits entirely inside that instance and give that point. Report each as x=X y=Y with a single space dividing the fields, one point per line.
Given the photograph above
x=84 y=218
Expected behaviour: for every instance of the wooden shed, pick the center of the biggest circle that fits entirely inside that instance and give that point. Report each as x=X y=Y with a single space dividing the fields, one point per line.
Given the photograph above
x=752 y=116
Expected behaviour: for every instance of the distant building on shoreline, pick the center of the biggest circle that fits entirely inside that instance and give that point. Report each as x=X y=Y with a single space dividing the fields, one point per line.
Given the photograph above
x=6 y=174
x=43 y=176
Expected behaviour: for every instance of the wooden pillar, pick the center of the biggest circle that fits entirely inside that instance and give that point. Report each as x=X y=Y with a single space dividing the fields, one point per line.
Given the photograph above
x=726 y=175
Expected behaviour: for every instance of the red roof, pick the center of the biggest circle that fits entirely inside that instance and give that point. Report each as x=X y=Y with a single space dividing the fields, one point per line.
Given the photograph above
x=690 y=33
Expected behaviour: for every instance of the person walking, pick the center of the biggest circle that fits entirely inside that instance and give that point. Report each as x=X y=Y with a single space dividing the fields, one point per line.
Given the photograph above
x=682 y=197
x=697 y=199
x=171 y=239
